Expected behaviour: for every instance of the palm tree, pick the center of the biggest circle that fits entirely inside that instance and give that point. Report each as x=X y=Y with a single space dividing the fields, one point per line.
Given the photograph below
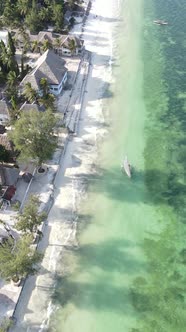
x=15 y=109
x=46 y=45
x=72 y=45
x=35 y=46
x=10 y=61
x=24 y=37
x=57 y=44
x=47 y=99
x=44 y=87
x=23 y=6
x=3 y=54
x=29 y=93
x=11 y=79
x=48 y=102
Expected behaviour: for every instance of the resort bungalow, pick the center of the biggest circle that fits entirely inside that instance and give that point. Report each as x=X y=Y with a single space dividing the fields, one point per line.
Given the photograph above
x=69 y=45
x=62 y=44
x=51 y=67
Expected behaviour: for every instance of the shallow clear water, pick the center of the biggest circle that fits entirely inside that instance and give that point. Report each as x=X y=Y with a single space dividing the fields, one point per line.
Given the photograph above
x=119 y=213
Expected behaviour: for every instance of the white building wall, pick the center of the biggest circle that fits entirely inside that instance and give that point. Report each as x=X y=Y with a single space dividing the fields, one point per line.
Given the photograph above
x=56 y=89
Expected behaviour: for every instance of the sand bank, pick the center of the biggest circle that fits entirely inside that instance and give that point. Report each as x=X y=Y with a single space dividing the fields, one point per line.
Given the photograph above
x=35 y=306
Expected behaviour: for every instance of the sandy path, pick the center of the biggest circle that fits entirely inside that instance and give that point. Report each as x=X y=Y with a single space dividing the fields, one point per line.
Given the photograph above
x=34 y=308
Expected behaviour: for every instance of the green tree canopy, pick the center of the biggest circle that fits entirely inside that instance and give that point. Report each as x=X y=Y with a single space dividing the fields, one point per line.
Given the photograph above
x=30 y=219
x=11 y=46
x=35 y=46
x=10 y=16
x=17 y=259
x=29 y=93
x=23 y=6
x=11 y=79
x=72 y=45
x=7 y=59
x=33 y=20
x=48 y=102
x=34 y=14
x=57 y=16
x=33 y=135
x=44 y=86
x=46 y=45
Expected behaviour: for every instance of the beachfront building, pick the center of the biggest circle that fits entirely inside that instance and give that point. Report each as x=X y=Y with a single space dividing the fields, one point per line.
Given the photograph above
x=51 y=67
x=62 y=44
x=4 y=113
x=34 y=41
x=69 y=45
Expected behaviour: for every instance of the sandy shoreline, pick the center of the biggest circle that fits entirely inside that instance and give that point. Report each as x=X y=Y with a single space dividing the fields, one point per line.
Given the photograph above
x=34 y=308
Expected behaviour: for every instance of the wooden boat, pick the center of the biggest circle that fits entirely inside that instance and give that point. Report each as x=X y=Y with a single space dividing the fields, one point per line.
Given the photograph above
x=126 y=167
x=160 y=22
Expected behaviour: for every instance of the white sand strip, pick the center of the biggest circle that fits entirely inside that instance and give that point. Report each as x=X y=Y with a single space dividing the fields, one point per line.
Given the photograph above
x=34 y=308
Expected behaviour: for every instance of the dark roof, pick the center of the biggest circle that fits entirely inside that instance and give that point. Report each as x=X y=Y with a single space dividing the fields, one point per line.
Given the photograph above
x=32 y=107
x=9 y=193
x=49 y=66
x=2 y=129
x=4 y=108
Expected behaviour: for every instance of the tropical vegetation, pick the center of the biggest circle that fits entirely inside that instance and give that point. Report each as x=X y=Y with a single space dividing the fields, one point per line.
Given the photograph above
x=33 y=135
x=4 y=154
x=35 y=15
x=8 y=61
x=18 y=258
x=5 y=324
x=30 y=219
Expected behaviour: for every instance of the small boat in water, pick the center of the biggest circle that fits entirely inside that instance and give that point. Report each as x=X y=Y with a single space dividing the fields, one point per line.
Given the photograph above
x=160 y=22
x=126 y=167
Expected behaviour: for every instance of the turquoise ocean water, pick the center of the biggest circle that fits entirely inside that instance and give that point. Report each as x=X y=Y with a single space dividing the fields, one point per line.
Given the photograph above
x=129 y=272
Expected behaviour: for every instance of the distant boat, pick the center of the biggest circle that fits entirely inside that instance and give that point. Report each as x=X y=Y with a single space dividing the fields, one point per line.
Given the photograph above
x=160 y=22
x=126 y=167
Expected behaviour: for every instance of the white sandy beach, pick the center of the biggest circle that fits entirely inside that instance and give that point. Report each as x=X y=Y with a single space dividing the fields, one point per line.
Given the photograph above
x=34 y=308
